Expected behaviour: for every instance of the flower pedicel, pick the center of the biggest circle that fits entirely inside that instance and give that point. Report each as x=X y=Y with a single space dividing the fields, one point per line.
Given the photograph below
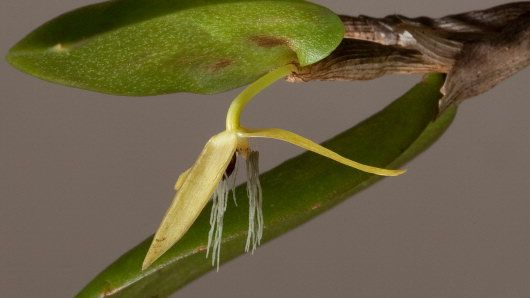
x=204 y=180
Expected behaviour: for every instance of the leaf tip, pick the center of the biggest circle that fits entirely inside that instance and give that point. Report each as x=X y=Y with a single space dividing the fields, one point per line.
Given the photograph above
x=10 y=58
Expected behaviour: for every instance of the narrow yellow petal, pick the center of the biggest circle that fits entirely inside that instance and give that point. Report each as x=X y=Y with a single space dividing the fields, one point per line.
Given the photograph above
x=196 y=188
x=297 y=140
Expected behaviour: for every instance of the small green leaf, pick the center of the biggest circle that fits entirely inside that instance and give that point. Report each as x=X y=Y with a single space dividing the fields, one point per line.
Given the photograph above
x=294 y=192
x=150 y=47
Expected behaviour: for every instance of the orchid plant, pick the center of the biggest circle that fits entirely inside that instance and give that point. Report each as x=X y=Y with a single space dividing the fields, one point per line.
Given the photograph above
x=153 y=47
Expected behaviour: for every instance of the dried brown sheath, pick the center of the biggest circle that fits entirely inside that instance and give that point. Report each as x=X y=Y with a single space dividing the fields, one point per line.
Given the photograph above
x=477 y=49
x=364 y=60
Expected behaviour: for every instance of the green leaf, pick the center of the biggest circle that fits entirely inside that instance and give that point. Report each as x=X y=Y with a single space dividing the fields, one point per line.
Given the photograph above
x=294 y=192
x=150 y=47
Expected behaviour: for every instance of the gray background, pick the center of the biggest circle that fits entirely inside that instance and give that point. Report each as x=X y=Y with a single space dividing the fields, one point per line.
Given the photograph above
x=86 y=176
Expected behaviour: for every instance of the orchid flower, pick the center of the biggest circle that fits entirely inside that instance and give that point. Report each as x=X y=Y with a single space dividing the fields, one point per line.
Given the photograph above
x=206 y=179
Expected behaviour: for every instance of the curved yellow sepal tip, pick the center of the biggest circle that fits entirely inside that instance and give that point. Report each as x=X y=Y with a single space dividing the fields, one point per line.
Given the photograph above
x=297 y=140
x=195 y=188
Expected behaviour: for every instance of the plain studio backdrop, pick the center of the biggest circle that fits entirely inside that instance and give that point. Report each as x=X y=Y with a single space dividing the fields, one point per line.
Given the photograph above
x=84 y=177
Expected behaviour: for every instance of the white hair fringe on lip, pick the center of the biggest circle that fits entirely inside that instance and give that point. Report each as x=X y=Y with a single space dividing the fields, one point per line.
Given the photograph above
x=220 y=199
x=255 y=198
x=234 y=180
x=255 y=212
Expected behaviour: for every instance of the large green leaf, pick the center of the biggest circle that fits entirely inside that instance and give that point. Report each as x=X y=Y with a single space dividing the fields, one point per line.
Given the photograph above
x=150 y=47
x=293 y=193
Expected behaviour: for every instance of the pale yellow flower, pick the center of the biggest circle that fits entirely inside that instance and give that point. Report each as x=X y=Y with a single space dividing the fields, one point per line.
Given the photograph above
x=204 y=180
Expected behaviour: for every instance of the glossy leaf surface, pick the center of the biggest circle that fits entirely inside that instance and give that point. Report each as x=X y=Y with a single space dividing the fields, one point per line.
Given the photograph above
x=151 y=47
x=294 y=192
